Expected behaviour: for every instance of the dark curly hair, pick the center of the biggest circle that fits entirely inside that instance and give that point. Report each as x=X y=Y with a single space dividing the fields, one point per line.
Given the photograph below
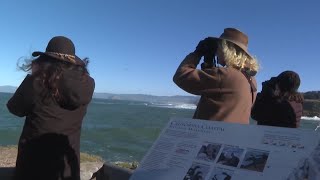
x=49 y=71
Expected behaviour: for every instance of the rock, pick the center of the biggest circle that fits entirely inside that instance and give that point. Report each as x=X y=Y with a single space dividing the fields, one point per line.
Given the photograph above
x=112 y=172
x=88 y=168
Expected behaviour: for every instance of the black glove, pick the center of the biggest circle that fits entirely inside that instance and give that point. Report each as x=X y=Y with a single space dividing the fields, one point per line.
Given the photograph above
x=201 y=48
x=207 y=48
x=269 y=88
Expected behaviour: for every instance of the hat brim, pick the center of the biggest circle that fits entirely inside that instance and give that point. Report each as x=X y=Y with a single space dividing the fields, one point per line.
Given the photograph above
x=76 y=61
x=244 y=49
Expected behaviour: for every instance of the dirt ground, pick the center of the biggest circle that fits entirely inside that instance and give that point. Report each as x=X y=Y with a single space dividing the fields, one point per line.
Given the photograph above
x=8 y=155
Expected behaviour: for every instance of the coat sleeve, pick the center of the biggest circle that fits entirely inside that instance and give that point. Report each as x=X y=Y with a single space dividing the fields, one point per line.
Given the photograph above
x=76 y=89
x=273 y=112
x=21 y=103
x=190 y=79
x=265 y=110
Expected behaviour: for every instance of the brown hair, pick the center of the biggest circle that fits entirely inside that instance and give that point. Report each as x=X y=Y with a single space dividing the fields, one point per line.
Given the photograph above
x=49 y=71
x=289 y=82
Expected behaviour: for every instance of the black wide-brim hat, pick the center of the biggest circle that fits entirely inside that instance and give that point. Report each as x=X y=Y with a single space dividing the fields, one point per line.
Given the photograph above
x=61 y=48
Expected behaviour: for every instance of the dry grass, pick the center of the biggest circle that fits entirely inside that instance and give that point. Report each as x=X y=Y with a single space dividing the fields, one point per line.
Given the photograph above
x=8 y=155
x=129 y=165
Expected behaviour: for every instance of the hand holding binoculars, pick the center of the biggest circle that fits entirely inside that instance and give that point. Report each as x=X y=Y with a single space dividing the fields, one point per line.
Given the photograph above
x=207 y=48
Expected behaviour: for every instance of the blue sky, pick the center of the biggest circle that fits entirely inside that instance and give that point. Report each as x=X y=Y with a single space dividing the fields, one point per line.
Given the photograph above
x=136 y=46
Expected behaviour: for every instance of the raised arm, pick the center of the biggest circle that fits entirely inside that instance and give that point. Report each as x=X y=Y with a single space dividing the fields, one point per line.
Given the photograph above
x=76 y=89
x=21 y=103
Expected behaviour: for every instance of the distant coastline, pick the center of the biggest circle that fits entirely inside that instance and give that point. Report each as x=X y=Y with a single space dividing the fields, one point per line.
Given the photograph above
x=311 y=104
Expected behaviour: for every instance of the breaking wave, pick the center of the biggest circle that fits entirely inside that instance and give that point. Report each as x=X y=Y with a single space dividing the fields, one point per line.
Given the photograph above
x=176 y=106
x=314 y=118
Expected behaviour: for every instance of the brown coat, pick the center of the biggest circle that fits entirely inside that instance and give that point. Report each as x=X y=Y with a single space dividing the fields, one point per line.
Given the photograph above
x=225 y=92
x=276 y=111
x=50 y=141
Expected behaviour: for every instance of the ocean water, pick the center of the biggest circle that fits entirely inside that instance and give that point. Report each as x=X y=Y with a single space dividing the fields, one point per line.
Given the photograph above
x=116 y=130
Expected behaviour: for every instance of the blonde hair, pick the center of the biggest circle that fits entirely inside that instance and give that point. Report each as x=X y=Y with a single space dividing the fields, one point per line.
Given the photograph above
x=237 y=58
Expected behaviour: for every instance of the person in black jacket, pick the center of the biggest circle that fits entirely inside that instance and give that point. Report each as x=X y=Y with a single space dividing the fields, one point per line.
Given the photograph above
x=54 y=100
x=279 y=103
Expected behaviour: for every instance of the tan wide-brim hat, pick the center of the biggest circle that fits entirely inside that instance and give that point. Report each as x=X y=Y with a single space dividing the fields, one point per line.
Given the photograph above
x=236 y=37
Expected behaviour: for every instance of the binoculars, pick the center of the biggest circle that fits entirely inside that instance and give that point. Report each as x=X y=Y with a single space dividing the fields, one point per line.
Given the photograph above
x=208 y=47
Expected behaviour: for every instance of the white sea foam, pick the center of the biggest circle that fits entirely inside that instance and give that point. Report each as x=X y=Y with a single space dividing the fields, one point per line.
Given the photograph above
x=185 y=106
x=104 y=103
x=176 y=106
x=314 y=118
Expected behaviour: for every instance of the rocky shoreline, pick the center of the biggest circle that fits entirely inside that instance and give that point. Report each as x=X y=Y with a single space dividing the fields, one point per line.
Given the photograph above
x=311 y=107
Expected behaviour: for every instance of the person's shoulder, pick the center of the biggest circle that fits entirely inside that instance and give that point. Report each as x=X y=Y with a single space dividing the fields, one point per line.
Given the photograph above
x=223 y=71
x=295 y=105
x=74 y=79
x=234 y=73
x=236 y=76
x=89 y=80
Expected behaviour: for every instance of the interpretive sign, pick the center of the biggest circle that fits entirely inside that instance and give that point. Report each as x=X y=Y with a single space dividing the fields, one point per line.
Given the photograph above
x=192 y=149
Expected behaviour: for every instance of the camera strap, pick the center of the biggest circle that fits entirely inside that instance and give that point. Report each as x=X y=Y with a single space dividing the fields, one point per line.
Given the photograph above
x=252 y=86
